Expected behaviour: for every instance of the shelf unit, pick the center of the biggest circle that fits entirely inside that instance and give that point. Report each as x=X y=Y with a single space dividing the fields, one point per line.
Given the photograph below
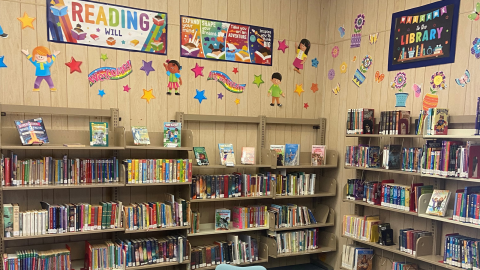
x=324 y=215
x=327 y=242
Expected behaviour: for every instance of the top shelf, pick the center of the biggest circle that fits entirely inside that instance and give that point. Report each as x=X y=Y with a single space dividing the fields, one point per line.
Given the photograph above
x=383 y=136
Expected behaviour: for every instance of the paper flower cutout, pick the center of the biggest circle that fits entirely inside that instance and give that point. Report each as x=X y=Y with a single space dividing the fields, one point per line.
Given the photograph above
x=74 y=65
x=305 y=105
x=400 y=81
x=314 y=87
x=331 y=74
x=282 y=45
x=315 y=62
x=147 y=67
x=126 y=88
x=235 y=70
x=366 y=63
x=148 y=95
x=104 y=56
x=101 y=93
x=476 y=48
x=359 y=22
x=26 y=21
x=200 y=96
x=220 y=96
x=343 y=67
x=2 y=64
x=299 y=89
x=258 y=80
x=335 y=51
x=198 y=70
x=438 y=80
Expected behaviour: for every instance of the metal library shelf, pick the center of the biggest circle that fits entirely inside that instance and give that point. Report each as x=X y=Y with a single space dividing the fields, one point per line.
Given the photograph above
x=451 y=178
x=63 y=234
x=383 y=136
x=157 y=229
x=71 y=186
x=262 y=258
x=159 y=184
x=232 y=199
x=305 y=161
x=380 y=207
x=209 y=229
x=382 y=170
x=156 y=142
x=79 y=264
x=243 y=166
x=324 y=215
x=325 y=187
x=327 y=242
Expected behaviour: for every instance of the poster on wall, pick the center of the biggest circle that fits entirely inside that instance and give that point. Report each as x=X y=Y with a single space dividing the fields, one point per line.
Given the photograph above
x=103 y=25
x=424 y=36
x=217 y=40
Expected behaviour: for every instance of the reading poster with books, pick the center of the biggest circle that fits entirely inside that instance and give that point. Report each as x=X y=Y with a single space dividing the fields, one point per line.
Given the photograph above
x=438 y=203
x=172 y=134
x=222 y=219
x=140 y=135
x=201 y=156
x=292 y=154
x=225 y=41
x=98 y=134
x=227 y=156
x=318 y=155
x=32 y=131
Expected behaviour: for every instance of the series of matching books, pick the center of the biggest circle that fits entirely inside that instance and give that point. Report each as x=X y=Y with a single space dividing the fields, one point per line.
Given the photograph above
x=357 y=258
x=364 y=228
x=295 y=241
x=291 y=215
x=239 y=249
x=394 y=123
x=461 y=251
x=230 y=186
x=143 y=171
x=433 y=121
x=295 y=184
x=360 y=121
x=411 y=159
x=58 y=259
x=363 y=156
x=407 y=240
x=467 y=205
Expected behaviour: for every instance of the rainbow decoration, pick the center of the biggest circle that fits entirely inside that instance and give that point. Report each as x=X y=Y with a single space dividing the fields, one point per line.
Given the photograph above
x=110 y=73
x=224 y=80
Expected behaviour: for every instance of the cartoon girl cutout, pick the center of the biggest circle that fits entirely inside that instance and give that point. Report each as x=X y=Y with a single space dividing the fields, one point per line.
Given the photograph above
x=42 y=59
x=302 y=53
x=173 y=72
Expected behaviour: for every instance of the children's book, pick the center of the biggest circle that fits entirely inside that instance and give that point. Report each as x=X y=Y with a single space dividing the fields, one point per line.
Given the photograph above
x=318 y=155
x=140 y=135
x=222 y=219
x=440 y=121
x=32 y=131
x=172 y=134
x=201 y=156
x=404 y=123
x=439 y=202
x=363 y=259
x=248 y=155
x=227 y=155
x=98 y=134
x=280 y=149
x=374 y=157
x=292 y=154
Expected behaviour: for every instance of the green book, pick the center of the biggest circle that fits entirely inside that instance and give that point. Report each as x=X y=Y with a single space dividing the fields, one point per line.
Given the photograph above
x=104 y=215
x=109 y=215
x=99 y=134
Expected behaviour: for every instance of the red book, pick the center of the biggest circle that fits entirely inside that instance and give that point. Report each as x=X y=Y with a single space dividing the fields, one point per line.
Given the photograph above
x=88 y=258
x=99 y=217
x=413 y=190
x=7 y=172
x=50 y=214
x=189 y=170
x=252 y=214
x=226 y=188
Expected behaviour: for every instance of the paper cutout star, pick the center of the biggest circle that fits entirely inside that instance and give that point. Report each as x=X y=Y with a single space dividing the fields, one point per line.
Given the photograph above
x=220 y=96
x=52 y=2
x=305 y=105
x=200 y=96
x=98 y=29
x=258 y=80
x=123 y=41
x=299 y=89
x=198 y=70
x=104 y=56
x=235 y=70
x=59 y=24
x=147 y=67
x=314 y=87
x=237 y=101
x=148 y=95
x=282 y=45
x=26 y=21
x=126 y=88
x=74 y=65
x=2 y=64
x=315 y=62
x=101 y=93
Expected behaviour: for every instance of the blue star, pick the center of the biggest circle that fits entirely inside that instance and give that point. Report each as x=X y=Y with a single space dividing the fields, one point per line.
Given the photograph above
x=123 y=41
x=101 y=93
x=2 y=64
x=315 y=62
x=200 y=96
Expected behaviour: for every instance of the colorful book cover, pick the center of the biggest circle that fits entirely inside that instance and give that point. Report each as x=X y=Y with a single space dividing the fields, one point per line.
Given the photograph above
x=227 y=155
x=374 y=157
x=292 y=154
x=363 y=259
x=172 y=134
x=201 y=156
x=318 y=155
x=368 y=121
x=222 y=219
x=280 y=150
x=404 y=123
x=98 y=134
x=438 y=203
x=248 y=155
x=32 y=131
x=440 y=121
x=394 y=157
x=140 y=135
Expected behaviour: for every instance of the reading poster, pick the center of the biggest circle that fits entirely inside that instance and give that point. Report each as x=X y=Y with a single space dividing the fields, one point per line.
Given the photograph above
x=217 y=40
x=104 y=25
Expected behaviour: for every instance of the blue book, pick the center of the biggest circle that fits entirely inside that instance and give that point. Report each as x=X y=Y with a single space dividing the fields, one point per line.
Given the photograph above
x=292 y=154
x=402 y=196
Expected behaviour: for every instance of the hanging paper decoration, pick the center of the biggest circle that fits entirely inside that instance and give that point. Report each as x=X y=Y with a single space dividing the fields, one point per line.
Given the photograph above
x=258 y=80
x=354 y=58
x=2 y=64
x=220 y=96
x=417 y=89
x=359 y=76
x=343 y=68
x=101 y=93
x=476 y=13
x=299 y=89
x=357 y=36
x=438 y=81
x=74 y=65
x=314 y=87
x=110 y=73
x=331 y=74
x=148 y=95
x=224 y=80
x=235 y=70
x=275 y=90
x=3 y=34
x=464 y=79
x=237 y=101
x=26 y=21
x=302 y=52
x=282 y=45
x=42 y=59
x=341 y=30
x=476 y=48
x=336 y=90
x=104 y=57
x=315 y=62
x=379 y=77
x=200 y=96
x=198 y=70
x=373 y=38
x=430 y=100
x=147 y=67
x=335 y=51
x=173 y=72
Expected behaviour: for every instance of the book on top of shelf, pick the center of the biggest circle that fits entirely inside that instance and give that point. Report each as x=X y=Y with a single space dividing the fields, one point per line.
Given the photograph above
x=292 y=154
x=319 y=155
x=404 y=123
x=32 y=131
x=140 y=135
x=280 y=150
x=440 y=121
x=248 y=155
x=227 y=155
x=172 y=134
x=201 y=156
x=439 y=202
x=222 y=219
x=98 y=134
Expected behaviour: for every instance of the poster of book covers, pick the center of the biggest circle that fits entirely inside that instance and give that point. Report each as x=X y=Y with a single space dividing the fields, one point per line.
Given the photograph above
x=424 y=36
x=217 y=40
x=103 y=25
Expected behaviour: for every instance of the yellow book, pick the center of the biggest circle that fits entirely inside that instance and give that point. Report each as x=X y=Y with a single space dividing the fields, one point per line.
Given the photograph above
x=89 y=218
x=136 y=172
x=129 y=174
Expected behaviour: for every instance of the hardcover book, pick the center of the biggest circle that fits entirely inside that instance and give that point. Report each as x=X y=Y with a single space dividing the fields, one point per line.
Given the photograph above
x=363 y=259
x=248 y=155
x=374 y=157
x=98 y=134
x=32 y=131
x=280 y=150
x=140 y=135
x=394 y=157
x=227 y=155
x=318 y=155
x=404 y=123
x=368 y=121
x=440 y=121
x=292 y=154
x=438 y=203
x=222 y=219
x=172 y=134
x=201 y=156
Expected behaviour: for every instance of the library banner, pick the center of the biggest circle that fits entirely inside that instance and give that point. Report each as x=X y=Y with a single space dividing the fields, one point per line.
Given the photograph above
x=225 y=41
x=90 y=23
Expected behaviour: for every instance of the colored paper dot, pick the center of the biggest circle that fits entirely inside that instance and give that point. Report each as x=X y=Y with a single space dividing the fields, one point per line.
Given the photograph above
x=446 y=42
x=253 y=38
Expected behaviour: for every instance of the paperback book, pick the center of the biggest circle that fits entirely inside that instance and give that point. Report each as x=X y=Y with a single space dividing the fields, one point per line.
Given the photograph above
x=222 y=219
x=227 y=155
x=248 y=155
x=201 y=156
x=318 y=155
x=32 y=131
x=140 y=135
x=172 y=134
x=438 y=203
x=440 y=121
x=292 y=154
x=280 y=150
x=98 y=134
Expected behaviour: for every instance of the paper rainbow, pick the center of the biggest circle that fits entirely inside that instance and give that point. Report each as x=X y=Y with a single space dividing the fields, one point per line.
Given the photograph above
x=110 y=73
x=224 y=80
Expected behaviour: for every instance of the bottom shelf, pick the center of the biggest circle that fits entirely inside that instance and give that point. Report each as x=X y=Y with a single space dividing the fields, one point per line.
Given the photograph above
x=314 y=251
x=260 y=260
x=79 y=265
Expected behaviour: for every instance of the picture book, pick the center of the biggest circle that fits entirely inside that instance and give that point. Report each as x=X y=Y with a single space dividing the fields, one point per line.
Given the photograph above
x=140 y=135
x=222 y=219
x=98 y=134
x=292 y=154
x=32 y=131
x=248 y=155
x=280 y=149
x=172 y=134
x=227 y=155
x=201 y=156
x=318 y=155
x=440 y=121
x=439 y=202
x=363 y=259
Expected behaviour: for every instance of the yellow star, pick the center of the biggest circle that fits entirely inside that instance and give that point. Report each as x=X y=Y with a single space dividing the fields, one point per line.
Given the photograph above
x=52 y=2
x=147 y=95
x=299 y=89
x=26 y=21
x=163 y=31
x=237 y=101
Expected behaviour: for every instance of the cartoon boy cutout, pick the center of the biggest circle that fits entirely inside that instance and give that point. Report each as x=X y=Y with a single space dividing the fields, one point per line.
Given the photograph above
x=42 y=59
x=173 y=72
x=275 y=90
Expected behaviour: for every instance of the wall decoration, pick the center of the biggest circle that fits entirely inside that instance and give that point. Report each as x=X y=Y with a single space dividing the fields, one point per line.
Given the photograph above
x=106 y=25
x=336 y=90
x=314 y=87
x=173 y=69
x=302 y=52
x=126 y=88
x=335 y=51
x=359 y=76
x=200 y=96
x=104 y=57
x=235 y=70
x=3 y=34
x=299 y=89
x=341 y=30
x=101 y=93
x=373 y=38
x=220 y=96
x=224 y=80
x=198 y=70
x=275 y=90
x=417 y=89
x=148 y=95
x=258 y=80
x=147 y=67
x=42 y=59
x=343 y=68
x=476 y=48
x=74 y=65
x=331 y=74
x=464 y=79
x=315 y=62
x=237 y=101
x=2 y=64
x=305 y=105
x=354 y=58
x=438 y=81
x=430 y=100
x=110 y=73
x=399 y=83
x=475 y=16
x=218 y=40
x=358 y=25
x=379 y=77
x=424 y=36
x=282 y=45
x=26 y=21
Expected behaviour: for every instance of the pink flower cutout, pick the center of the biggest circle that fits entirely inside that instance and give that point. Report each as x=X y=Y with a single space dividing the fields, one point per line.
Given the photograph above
x=335 y=51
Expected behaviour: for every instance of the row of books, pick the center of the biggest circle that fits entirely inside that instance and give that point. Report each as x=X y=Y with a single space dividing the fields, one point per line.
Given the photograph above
x=230 y=186
x=392 y=157
x=461 y=251
x=295 y=184
x=467 y=205
x=433 y=121
x=368 y=228
x=295 y=241
x=357 y=258
x=407 y=240
x=241 y=217
x=58 y=259
x=360 y=121
x=50 y=171
x=291 y=215
x=248 y=154
x=238 y=249
x=144 y=171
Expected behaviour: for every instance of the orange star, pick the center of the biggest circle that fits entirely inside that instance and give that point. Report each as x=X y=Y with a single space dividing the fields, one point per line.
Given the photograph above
x=314 y=87
x=26 y=21
x=299 y=89
x=148 y=95
x=237 y=101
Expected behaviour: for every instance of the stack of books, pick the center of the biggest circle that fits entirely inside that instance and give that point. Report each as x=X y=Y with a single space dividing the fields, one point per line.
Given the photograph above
x=295 y=241
x=38 y=260
x=295 y=184
x=291 y=215
x=356 y=258
x=249 y=217
x=407 y=240
x=144 y=171
x=364 y=228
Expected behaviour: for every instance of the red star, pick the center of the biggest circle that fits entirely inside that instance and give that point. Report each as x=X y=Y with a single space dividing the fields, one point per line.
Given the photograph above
x=74 y=65
x=235 y=70
x=305 y=105
x=314 y=87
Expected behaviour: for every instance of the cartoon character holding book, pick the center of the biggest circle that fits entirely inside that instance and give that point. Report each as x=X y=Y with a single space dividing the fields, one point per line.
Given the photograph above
x=302 y=53
x=173 y=72
x=42 y=59
x=275 y=90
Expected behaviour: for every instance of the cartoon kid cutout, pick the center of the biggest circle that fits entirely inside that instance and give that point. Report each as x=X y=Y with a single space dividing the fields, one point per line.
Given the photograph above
x=42 y=59
x=173 y=72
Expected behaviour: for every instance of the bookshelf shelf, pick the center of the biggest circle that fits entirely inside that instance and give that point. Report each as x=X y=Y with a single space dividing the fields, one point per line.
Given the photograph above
x=159 y=184
x=305 y=161
x=232 y=167
x=63 y=234
x=259 y=261
x=58 y=147
x=79 y=264
x=40 y=187
x=380 y=207
x=315 y=251
x=394 y=249
x=382 y=170
x=316 y=195
x=232 y=199
x=209 y=229
x=157 y=229
x=158 y=148
x=156 y=142
x=324 y=215
x=451 y=178
x=317 y=225
x=327 y=243
x=383 y=136
x=307 y=166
